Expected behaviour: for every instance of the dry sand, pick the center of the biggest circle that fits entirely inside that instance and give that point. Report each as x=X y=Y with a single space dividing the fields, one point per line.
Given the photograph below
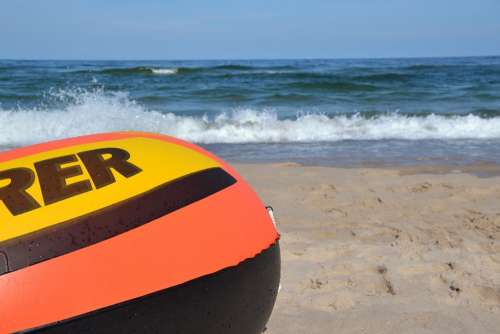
x=384 y=250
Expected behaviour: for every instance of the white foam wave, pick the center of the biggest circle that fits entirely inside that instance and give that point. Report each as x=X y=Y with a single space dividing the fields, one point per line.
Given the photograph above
x=92 y=112
x=164 y=71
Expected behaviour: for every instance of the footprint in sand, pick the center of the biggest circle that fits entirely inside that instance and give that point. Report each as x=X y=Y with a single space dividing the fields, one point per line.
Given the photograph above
x=422 y=187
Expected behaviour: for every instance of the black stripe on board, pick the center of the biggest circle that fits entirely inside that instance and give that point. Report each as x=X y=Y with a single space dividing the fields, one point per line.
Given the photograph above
x=89 y=229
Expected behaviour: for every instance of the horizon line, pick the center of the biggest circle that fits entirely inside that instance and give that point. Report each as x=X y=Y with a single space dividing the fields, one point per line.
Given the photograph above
x=247 y=59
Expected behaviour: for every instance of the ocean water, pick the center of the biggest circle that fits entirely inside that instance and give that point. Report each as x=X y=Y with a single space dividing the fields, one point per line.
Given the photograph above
x=330 y=112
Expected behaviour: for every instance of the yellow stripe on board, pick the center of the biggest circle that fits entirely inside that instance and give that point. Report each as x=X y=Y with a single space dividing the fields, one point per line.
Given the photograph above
x=160 y=162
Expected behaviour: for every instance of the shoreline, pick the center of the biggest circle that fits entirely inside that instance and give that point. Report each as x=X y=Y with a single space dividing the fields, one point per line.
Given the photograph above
x=481 y=169
x=383 y=250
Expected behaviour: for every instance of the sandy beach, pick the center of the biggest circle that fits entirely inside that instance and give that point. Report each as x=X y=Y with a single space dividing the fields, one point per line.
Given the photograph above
x=378 y=250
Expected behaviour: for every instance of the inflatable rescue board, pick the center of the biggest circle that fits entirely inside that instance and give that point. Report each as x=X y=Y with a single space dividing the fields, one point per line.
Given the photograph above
x=132 y=233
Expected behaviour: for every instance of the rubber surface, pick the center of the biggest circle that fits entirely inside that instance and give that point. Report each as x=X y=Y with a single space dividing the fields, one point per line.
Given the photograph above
x=98 y=226
x=236 y=300
x=211 y=224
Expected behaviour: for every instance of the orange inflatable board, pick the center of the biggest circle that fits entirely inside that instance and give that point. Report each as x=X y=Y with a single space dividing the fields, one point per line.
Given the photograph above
x=131 y=233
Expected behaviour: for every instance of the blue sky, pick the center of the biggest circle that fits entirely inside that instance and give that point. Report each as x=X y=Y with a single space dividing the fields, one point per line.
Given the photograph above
x=215 y=29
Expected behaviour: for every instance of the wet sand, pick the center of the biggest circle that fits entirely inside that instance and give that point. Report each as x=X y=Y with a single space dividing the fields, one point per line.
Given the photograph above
x=379 y=250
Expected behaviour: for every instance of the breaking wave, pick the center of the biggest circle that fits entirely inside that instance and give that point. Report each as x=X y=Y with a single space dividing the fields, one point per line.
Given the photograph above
x=122 y=71
x=84 y=112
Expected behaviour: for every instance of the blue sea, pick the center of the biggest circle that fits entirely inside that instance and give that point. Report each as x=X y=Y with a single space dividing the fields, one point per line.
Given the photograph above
x=347 y=112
